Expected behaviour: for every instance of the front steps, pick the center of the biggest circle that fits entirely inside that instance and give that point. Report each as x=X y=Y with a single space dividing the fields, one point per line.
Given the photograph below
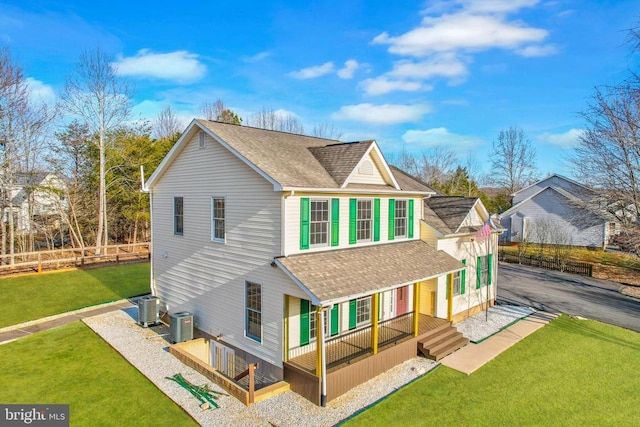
x=441 y=341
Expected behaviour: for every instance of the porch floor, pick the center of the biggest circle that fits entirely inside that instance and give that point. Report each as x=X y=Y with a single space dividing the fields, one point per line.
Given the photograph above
x=356 y=344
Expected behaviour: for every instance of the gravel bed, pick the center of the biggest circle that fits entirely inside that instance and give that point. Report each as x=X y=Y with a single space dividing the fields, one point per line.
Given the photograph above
x=483 y=325
x=145 y=349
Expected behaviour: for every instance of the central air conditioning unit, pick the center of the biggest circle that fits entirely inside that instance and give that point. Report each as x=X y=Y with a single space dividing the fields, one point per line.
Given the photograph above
x=180 y=327
x=148 y=310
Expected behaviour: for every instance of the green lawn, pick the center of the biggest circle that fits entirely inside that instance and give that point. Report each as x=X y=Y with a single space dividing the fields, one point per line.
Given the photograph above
x=35 y=296
x=569 y=373
x=72 y=365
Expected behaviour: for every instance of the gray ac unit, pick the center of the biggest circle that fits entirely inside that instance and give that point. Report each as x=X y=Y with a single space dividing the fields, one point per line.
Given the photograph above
x=148 y=310
x=180 y=327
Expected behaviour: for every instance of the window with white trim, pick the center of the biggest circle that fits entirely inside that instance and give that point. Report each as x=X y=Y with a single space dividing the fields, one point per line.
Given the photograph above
x=178 y=216
x=313 y=327
x=457 y=281
x=363 y=311
x=253 y=311
x=364 y=216
x=319 y=222
x=218 y=215
x=400 y=218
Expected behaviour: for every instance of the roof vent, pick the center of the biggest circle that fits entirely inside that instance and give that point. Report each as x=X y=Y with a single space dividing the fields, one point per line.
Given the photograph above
x=366 y=168
x=201 y=139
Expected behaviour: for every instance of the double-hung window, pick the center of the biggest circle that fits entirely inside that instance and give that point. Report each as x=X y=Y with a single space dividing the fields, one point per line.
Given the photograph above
x=400 y=218
x=364 y=221
x=218 y=219
x=178 y=216
x=253 y=311
x=363 y=310
x=319 y=222
x=457 y=281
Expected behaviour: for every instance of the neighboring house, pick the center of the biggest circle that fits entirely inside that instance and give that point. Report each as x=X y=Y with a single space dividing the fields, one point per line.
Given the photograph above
x=558 y=210
x=462 y=227
x=301 y=254
x=36 y=199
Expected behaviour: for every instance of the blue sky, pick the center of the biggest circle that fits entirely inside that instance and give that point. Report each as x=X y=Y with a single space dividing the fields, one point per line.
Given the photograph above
x=408 y=74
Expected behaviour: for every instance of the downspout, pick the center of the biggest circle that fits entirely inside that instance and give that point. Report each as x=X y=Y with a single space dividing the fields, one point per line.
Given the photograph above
x=152 y=284
x=323 y=357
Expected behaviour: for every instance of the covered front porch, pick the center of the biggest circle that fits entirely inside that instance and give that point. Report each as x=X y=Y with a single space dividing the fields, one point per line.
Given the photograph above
x=349 y=348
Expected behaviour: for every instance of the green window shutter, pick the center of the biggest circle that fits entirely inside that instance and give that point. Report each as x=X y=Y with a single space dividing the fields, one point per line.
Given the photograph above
x=376 y=220
x=463 y=277
x=352 y=314
x=478 y=272
x=335 y=325
x=392 y=219
x=410 y=227
x=353 y=207
x=335 y=222
x=489 y=268
x=304 y=223
x=446 y=295
x=304 y=322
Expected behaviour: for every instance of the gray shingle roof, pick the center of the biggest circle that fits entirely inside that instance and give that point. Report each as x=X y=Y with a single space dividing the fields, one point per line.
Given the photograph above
x=446 y=213
x=340 y=159
x=283 y=156
x=340 y=274
x=408 y=182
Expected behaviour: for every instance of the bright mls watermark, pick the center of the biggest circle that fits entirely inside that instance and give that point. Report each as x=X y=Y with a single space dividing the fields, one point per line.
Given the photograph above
x=34 y=415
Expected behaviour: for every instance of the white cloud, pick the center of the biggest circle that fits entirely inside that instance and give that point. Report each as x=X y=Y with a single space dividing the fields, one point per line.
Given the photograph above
x=496 y=6
x=41 y=92
x=313 y=72
x=350 y=67
x=570 y=138
x=444 y=65
x=386 y=114
x=440 y=137
x=180 y=66
x=461 y=31
x=256 y=58
x=382 y=85
x=538 y=50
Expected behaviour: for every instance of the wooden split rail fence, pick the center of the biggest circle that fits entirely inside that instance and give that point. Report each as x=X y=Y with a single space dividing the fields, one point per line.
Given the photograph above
x=73 y=257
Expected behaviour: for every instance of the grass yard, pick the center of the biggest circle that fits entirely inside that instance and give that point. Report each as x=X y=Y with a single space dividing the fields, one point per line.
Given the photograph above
x=71 y=364
x=570 y=373
x=35 y=296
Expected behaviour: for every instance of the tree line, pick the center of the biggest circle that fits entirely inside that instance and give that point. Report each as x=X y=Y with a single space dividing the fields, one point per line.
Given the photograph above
x=90 y=140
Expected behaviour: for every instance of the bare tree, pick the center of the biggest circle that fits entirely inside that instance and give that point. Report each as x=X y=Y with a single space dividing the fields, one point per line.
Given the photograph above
x=95 y=93
x=513 y=160
x=274 y=120
x=13 y=104
x=326 y=130
x=218 y=111
x=167 y=125
x=608 y=153
x=437 y=164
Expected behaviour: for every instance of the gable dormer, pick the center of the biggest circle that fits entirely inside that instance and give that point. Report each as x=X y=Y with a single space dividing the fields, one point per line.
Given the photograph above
x=372 y=169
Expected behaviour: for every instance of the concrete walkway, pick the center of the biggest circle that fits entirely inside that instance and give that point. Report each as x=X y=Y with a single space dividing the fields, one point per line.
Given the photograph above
x=14 y=332
x=471 y=357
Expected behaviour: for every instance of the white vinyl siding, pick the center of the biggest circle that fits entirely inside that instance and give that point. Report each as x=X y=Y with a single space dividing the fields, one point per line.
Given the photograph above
x=205 y=278
x=291 y=222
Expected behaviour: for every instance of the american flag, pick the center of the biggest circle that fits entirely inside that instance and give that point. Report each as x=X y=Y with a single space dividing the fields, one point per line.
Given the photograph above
x=485 y=230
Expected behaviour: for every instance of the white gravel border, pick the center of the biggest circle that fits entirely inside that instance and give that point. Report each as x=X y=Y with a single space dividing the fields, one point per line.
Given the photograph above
x=485 y=324
x=148 y=352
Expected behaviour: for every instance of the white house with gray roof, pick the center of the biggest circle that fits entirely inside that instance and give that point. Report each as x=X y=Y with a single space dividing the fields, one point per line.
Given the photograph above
x=298 y=253
x=559 y=210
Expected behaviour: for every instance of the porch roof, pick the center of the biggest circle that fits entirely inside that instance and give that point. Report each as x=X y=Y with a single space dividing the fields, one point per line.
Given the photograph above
x=332 y=276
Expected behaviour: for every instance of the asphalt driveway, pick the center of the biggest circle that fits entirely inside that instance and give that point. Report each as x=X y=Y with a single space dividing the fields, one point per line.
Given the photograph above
x=558 y=292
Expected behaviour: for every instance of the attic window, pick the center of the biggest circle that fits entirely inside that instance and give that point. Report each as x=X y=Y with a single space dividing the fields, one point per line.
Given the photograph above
x=201 y=139
x=366 y=168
